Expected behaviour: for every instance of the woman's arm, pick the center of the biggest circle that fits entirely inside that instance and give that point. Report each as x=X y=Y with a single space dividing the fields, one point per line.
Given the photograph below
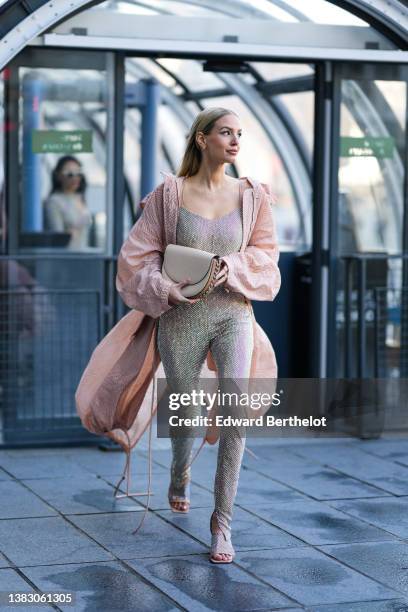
x=54 y=215
x=255 y=272
x=139 y=280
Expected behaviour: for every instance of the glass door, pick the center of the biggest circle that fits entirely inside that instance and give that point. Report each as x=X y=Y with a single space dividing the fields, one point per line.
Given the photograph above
x=369 y=235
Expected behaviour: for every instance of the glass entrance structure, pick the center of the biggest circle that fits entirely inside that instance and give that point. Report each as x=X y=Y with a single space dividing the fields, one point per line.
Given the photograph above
x=108 y=90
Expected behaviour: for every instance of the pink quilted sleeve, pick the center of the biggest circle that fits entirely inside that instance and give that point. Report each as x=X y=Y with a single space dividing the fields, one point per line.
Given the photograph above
x=255 y=272
x=139 y=280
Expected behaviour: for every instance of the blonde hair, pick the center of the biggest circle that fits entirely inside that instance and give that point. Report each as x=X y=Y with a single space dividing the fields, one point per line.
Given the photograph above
x=204 y=122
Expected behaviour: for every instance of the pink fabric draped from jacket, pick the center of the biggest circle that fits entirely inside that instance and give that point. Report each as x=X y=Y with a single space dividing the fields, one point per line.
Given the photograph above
x=111 y=397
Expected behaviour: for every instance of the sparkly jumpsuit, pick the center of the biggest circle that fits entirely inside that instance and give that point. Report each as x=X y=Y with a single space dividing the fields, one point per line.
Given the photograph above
x=221 y=322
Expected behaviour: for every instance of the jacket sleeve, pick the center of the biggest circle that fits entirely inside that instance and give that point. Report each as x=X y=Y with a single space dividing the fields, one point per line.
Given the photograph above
x=255 y=272
x=139 y=280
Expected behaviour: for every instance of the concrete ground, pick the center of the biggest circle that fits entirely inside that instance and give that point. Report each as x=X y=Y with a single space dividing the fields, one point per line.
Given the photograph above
x=319 y=525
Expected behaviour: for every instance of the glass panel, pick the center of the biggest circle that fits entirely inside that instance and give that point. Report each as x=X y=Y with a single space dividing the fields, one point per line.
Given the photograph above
x=370 y=222
x=62 y=156
x=318 y=11
x=270 y=71
x=301 y=108
x=371 y=172
x=191 y=73
x=321 y=11
x=154 y=7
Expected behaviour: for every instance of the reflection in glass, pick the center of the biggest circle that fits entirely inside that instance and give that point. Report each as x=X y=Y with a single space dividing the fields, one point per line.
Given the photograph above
x=370 y=218
x=63 y=113
x=371 y=168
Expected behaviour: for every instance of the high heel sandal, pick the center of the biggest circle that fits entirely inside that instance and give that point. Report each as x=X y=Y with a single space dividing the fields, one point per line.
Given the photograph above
x=174 y=498
x=220 y=544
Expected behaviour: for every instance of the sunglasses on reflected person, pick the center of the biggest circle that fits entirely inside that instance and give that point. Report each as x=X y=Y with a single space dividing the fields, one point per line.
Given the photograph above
x=72 y=174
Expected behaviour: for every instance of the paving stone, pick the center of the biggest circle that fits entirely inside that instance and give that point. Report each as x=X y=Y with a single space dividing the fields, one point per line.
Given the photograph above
x=155 y=537
x=317 y=523
x=324 y=483
x=393 y=450
x=99 y=587
x=18 y=502
x=254 y=489
x=103 y=463
x=4 y=562
x=41 y=466
x=378 y=472
x=36 y=541
x=261 y=475
x=82 y=494
x=159 y=486
x=394 y=605
x=310 y=577
x=248 y=531
x=41 y=451
x=390 y=514
x=387 y=562
x=4 y=475
x=12 y=582
x=277 y=457
x=200 y=585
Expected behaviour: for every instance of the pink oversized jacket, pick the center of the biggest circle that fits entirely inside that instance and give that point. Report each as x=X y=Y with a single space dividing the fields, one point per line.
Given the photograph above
x=111 y=395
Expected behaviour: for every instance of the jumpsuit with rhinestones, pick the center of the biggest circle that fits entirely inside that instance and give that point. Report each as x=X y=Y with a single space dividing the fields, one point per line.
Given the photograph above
x=221 y=322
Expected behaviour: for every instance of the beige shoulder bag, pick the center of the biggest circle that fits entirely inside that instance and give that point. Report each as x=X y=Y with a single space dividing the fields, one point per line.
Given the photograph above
x=181 y=262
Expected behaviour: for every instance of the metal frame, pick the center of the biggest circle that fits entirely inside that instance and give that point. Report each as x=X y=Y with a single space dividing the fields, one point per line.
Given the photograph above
x=177 y=48
x=22 y=21
x=322 y=165
x=115 y=154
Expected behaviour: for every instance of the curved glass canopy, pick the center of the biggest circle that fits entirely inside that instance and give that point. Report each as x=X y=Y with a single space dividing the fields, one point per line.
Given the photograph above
x=275 y=102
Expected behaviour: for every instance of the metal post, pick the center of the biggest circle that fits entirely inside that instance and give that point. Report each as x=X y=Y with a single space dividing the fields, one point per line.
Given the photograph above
x=361 y=317
x=348 y=288
x=321 y=220
x=32 y=209
x=149 y=136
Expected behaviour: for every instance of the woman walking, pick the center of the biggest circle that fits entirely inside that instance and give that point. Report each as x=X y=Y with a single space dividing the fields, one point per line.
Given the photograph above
x=210 y=217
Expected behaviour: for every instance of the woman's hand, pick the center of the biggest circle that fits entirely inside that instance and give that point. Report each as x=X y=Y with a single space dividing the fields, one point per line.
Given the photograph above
x=222 y=275
x=175 y=295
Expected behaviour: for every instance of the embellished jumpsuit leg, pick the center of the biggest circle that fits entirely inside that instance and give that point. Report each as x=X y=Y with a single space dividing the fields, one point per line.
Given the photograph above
x=231 y=347
x=183 y=346
x=222 y=323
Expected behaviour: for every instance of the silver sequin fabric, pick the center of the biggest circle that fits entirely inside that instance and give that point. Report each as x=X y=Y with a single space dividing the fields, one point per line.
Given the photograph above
x=221 y=322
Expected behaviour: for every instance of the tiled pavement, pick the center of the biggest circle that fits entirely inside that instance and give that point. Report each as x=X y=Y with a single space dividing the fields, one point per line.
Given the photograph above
x=320 y=526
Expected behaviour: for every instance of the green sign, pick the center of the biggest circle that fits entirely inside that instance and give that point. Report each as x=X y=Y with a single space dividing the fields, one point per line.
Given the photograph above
x=55 y=141
x=371 y=146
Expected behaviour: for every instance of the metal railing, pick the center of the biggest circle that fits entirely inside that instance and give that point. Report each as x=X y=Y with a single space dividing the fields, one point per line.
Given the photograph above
x=368 y=306
x=46 y=340
x=47 y=336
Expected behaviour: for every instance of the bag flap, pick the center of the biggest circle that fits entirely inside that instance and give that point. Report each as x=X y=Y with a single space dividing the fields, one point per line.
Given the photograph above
x=181 y=262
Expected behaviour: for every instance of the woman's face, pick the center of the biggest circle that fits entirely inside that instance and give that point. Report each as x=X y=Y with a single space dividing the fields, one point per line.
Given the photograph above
x=70 y=176
x=221 y=145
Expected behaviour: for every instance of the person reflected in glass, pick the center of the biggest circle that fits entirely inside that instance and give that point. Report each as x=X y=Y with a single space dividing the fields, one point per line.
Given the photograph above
x=65 y=207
